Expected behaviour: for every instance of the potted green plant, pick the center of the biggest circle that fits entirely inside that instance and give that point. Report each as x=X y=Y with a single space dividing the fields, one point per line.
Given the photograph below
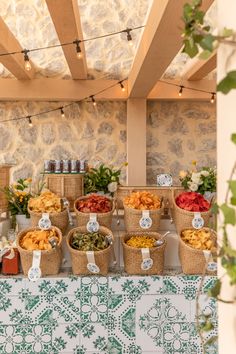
x=103 y=179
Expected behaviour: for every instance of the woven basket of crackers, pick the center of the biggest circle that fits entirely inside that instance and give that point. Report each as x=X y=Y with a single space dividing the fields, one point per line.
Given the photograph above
x=197 y=251
x=94 y=204
x=50 y=203
x=141 y=253
x=188 y=208
x=48 y=242
x=142 y=211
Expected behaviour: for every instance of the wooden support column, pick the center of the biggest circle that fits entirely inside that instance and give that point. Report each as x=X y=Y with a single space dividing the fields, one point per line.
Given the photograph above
x=136 y=141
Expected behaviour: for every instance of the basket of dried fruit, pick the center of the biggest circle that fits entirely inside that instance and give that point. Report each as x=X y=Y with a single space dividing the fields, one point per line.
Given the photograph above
x=99 y=205
x=143 y=254
x=197 y=250
x=190 y=209
x=48 y=242
x=142 y=211
x=90 y=252
x=50 y=203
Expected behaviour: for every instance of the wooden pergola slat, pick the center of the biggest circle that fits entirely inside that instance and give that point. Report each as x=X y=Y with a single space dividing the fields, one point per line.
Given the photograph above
x=66 y=18
x=200 y=68
x=160 y=43
x=14 y=63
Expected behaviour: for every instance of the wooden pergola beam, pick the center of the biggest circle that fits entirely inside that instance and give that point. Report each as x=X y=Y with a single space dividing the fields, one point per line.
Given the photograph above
x=66 y=18
x=14 y=63
x=73 y=90
x=200 y=68
x=160 y=43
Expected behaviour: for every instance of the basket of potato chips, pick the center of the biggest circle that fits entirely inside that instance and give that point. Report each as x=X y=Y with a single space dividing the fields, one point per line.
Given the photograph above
x=35 y=239
x=142 y=211
x=48 y=202
x=141 y=254
x=197 y=250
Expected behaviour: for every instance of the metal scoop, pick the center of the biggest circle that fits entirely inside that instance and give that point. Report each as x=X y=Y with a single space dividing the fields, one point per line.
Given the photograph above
x=66 y=204
x=53 y=242
x=161 y=240
x=109 y=242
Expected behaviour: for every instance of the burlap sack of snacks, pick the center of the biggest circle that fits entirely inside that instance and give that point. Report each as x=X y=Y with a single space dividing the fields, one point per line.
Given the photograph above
x=49 y=203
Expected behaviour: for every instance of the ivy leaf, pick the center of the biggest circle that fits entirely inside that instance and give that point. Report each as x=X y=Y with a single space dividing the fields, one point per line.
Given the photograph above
x=228 y=83
x=207 y=42
x=211 y=340
x=215 y=208
x=233 y=138
x=227 y=32
x=205 y=54
x=229 y=214
x=232 y=187
x=233 y=201
x=190 y=48
x=215 y=291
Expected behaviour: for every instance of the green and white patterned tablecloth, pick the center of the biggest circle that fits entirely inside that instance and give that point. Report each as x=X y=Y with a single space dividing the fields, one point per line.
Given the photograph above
x=115 y=315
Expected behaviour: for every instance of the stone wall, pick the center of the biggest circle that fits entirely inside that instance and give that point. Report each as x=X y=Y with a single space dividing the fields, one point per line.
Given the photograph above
x=177 y=133
x=97 y=134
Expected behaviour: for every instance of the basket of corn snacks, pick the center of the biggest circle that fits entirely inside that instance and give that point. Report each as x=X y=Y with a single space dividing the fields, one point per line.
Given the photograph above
x=188 y=207
x=141 y=253
x=48 y=242
x=48 y=202
x=142 y=211
x=90 y=251
x=197 y=251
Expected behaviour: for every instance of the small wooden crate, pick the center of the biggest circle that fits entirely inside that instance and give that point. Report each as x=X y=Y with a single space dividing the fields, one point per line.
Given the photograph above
x=4 y=181
x=70 y=186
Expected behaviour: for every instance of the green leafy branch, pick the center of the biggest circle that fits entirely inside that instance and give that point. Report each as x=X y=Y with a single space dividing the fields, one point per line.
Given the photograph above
x=199 y=39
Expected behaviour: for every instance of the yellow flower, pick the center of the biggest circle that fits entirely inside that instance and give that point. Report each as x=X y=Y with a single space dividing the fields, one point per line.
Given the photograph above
x=182 y=174
x=194 y=162
x=125 y=163
x=28 y=180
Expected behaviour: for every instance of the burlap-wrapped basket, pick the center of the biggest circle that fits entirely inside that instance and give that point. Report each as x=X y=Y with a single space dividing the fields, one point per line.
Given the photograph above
x=183 y=218
x=79 y=259
x=59 y=220
x=50 y=260
x=133 y=256
x=133 y=216
x=104 y=219
x=193 y=260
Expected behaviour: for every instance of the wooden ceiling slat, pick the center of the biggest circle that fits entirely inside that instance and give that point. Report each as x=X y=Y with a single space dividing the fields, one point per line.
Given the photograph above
x=200 y=68
x=160 y=43
x=66 y=18
x=13 y=63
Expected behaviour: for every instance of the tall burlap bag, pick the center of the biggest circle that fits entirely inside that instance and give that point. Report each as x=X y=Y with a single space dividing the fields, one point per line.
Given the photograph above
x=50 y=260
x=193 y=260
x=104 y=219
x=59 y=220
x=133 y=216
x=183 y=218
x=79 y=259
x=133 y=256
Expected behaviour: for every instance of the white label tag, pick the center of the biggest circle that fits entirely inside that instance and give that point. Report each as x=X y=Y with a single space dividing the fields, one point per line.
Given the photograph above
x=34 y=272
x=212 y=267
x=92 y=224
x=92 y=266
x=198 y=221
x=147 y=262
x=164 y=179
x=45 y=223
x=145 y=222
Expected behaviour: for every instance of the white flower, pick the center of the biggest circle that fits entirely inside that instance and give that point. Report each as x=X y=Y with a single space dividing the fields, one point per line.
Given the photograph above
x=193 y=186
x=196 y=177
x=204 y=173
x=112 y=187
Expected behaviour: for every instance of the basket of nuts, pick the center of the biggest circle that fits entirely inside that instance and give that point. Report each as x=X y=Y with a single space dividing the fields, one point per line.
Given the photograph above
x=142 y=211
x=197 y=250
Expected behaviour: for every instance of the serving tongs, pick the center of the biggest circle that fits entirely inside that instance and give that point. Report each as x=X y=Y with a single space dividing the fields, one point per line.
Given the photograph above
x=161 y=240
x=109 y=242
x=66 y=205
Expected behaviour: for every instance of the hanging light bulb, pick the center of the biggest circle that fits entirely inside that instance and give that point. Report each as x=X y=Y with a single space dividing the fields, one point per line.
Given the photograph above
x=181 y=91
x=93 y=100
x=78 y=49
x=62 y=113
x=26 y=59
x=30 y=122
x=129 y=37
x=122 y=86
x=212 y=97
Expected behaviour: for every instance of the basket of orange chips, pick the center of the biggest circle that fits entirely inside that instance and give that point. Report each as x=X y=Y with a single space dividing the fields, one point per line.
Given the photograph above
x=142 y=211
